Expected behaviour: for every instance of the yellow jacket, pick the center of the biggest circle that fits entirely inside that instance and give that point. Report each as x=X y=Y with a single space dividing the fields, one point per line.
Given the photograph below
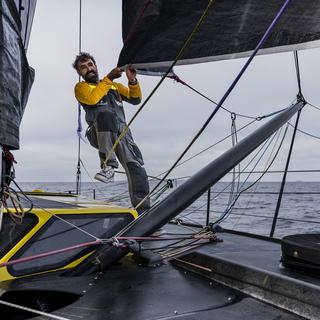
x=90 y=94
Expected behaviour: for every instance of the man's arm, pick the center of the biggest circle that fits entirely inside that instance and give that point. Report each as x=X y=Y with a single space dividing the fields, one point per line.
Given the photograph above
x=132 y=94
x=92 y=94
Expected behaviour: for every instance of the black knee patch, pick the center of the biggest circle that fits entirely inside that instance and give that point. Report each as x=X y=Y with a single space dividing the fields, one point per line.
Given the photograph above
x=107 y=121
x=140 y=184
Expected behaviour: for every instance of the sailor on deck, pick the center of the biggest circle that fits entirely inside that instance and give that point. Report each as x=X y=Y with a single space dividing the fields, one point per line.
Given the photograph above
x=102 y=102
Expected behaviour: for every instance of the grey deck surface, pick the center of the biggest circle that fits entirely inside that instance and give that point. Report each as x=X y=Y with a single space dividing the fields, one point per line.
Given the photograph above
x=240 y=268
x=132 y=292
x=253 y=266
x=165 y=292
x=254 y=253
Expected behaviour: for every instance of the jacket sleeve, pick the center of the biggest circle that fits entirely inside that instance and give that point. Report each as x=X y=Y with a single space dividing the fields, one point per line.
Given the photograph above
x=92 y=94
x=132 y=94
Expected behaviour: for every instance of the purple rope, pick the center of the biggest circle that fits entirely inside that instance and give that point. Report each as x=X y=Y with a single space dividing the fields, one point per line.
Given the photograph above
x=219 y=105
x=244 y=68
x=50 y=253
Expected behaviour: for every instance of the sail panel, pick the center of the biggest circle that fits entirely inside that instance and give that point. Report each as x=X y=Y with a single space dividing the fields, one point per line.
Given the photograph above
x=154 y=31
x=16 y=77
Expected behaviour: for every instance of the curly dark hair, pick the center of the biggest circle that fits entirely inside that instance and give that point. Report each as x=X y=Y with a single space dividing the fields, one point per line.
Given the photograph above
x=82 y=56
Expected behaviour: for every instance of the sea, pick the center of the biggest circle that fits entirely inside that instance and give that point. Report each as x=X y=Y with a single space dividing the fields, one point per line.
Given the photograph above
x=243 y=207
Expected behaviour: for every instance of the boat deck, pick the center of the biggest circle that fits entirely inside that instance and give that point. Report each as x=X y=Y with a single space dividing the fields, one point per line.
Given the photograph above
x=240 y=277
x=166 y=292
x=252 y=265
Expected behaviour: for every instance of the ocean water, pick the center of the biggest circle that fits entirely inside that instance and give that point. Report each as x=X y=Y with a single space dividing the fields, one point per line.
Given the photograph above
x=252 y=212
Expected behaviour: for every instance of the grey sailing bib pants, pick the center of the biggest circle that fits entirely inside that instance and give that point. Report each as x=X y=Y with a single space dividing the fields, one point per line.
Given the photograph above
x=106 y=121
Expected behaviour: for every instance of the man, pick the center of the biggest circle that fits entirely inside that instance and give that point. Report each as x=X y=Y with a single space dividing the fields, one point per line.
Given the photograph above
x=102 y=102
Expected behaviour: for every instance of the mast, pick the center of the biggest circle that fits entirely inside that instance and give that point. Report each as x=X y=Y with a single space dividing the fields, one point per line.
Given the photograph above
x=187 y=193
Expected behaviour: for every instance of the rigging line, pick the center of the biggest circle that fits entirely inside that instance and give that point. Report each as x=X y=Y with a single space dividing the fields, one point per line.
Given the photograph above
x=257 y=184
x=265 y=144
x=278 y=133
x=51 y=253
x=120 y=195
x=284 y=178
x=79 y=129
x=150 y=177
x=35 y=311
x=188 y=246
x=177 y=79
x=251 y=185
x=197 y=236
x=178 y=245
x=304 y=132
x=88 y=174
x=269 y=158
x=174 y=245
x=229 y=184
x=57 y=216
x=225 y=96
x=26 y=197
x=271 y=217
x=308 y=103
x=69 y=223
x=296 y=60
x=234 y=140
x=206 y=149
x=179 y=55
x=189 y=219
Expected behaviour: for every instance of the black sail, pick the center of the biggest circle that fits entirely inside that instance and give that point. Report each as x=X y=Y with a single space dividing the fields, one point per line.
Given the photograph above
x=154 y=31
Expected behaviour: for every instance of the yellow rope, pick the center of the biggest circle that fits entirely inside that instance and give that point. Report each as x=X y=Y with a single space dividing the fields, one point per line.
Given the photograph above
x=184 y=47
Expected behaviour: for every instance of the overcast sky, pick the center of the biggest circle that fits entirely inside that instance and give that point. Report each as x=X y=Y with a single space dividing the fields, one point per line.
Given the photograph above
x=174 y=114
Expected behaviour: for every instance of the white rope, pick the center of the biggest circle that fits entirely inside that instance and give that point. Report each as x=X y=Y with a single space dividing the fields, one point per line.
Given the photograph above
x=70 y=224
x=57 y=216
x=48 y=315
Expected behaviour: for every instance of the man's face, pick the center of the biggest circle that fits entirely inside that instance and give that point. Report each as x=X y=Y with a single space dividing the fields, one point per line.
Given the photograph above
x=88 y=71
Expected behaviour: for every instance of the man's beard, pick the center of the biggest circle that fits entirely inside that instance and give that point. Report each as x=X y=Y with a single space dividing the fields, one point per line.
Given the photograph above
x=92 y=77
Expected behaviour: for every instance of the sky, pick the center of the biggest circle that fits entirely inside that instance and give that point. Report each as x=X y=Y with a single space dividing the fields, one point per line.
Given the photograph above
x=49 y=143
